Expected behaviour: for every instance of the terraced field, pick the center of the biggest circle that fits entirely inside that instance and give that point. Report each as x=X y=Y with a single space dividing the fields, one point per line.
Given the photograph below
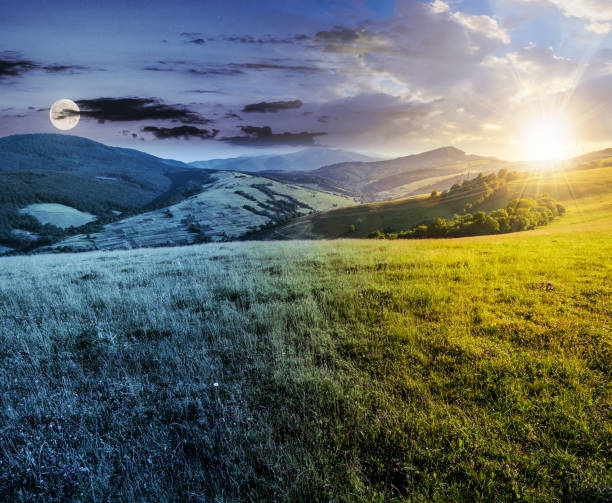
x=232 y=205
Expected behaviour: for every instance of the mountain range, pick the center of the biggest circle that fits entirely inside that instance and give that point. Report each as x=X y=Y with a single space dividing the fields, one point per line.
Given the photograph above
x=67 y=192
x=304 y=160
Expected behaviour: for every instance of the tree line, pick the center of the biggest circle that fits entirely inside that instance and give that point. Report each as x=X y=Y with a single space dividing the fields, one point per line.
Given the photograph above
x=520 y=214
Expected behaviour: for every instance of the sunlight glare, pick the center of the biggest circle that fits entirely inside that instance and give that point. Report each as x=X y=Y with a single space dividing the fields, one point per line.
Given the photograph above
x=547 y=139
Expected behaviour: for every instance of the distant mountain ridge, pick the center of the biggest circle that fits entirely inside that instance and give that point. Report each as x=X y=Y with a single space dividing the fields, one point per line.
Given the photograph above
x=305 y=160
x=396 y=178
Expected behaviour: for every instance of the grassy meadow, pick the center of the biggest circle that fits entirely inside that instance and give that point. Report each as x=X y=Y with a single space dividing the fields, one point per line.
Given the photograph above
x=473 y=369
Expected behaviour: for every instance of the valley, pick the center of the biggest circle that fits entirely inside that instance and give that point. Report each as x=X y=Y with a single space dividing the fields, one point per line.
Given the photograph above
x=230 y=206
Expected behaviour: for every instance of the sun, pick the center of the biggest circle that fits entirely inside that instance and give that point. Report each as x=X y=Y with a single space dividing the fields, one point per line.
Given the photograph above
x=547 y=138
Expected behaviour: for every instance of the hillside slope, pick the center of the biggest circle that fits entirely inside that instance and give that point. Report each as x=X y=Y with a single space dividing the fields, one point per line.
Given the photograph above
x=564 y=186
x=304 y=160
x=231 y=205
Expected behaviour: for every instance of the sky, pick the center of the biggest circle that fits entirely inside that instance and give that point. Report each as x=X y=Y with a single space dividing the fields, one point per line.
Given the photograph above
x=192 y=80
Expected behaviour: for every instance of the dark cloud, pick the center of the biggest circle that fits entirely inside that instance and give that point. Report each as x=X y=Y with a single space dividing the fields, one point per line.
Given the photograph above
x=196 y=41
x=12 y=64
x=215 y=71
x=272 y=66
x=358 y=40
x=263 y=137
x=65 y=68
x=135 y=109
x=186 y=132
x=226 y=70
x=232 y=115
x=338 y=35
x=203 y=91
x=267 y=39
x=183 y=66
x=272 y=106
x=158 y=69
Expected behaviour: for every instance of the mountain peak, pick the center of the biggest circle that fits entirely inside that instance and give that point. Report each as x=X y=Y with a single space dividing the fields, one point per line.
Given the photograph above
x=449 y=149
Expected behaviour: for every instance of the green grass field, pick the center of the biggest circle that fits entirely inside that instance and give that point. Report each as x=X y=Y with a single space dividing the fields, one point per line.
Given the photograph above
x=473 y=369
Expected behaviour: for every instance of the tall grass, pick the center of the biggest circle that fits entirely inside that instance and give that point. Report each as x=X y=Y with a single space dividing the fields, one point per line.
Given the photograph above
x=455 y=370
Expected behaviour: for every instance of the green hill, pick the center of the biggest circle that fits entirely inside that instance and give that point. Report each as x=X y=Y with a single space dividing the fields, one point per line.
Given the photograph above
x=565 y=186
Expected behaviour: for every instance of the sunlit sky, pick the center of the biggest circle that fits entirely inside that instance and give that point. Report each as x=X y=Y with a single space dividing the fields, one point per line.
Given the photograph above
x=515 y=79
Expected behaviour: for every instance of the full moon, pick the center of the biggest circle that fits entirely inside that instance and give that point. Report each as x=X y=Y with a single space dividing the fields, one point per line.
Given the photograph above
x=64 y=114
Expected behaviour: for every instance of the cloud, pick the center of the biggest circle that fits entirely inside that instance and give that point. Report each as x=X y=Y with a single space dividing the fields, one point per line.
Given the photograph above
x=185 y=67
x=339 y=35
x=203 y=91
x=597 y=13
x=12 y=64
x=263 y=137
x=186 y=132
x=158 y=69
x=355 y=40
x=196 y=41
x=271 y=66
x=215 y=71
x=267 y=39
x=378 y=118
x=227 y=69
x=272 y=106
x=136 y=109
x=65 y=68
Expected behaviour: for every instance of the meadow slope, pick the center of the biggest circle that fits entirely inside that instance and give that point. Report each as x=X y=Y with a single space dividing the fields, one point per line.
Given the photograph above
x=571 y=187
x=473 y=369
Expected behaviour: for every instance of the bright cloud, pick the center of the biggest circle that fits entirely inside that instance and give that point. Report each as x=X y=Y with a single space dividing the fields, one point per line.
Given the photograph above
x=597 y=13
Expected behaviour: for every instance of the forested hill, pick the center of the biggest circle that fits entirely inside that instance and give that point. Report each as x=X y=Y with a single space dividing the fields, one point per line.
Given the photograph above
x=85 y=175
